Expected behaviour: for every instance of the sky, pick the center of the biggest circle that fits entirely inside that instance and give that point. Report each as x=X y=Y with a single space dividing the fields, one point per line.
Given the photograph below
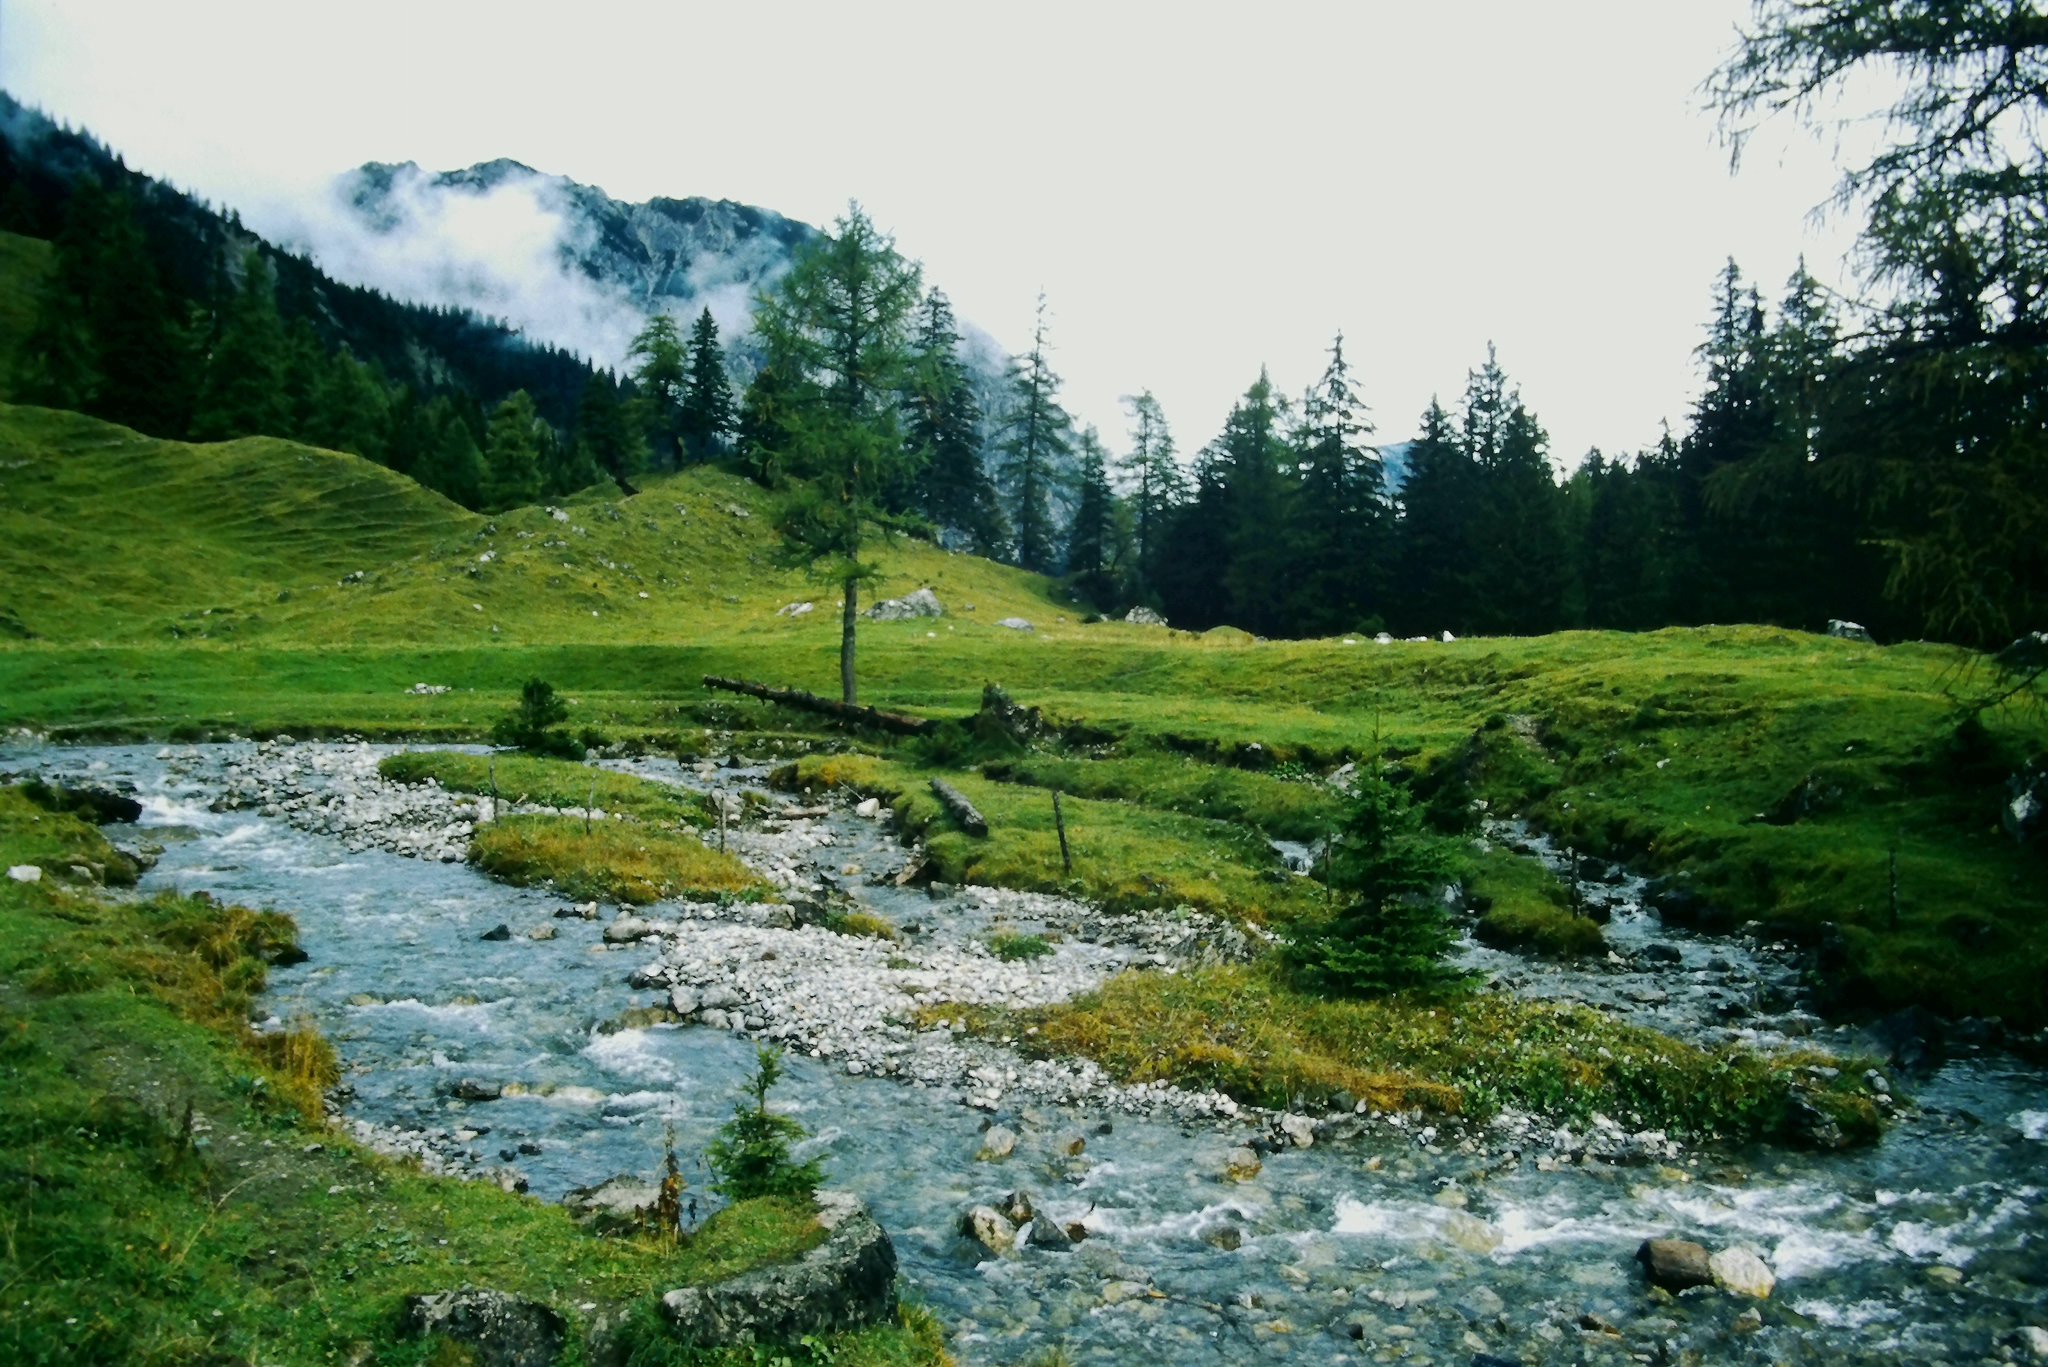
x=1199 y=191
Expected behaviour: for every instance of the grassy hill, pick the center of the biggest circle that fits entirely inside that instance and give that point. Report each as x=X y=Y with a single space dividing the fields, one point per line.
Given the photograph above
x=155 y=588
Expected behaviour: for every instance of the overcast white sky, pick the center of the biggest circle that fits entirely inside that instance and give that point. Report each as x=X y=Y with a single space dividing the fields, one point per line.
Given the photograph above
x=1199 y=190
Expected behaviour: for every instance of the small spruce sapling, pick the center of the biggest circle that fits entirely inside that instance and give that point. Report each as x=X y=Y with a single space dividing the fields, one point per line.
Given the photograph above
x=751 y=1153
x=1391 y=934
x=529 y=726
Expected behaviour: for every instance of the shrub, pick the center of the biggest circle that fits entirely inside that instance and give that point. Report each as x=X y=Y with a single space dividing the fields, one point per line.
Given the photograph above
x=528 y=726
x=1010 y=947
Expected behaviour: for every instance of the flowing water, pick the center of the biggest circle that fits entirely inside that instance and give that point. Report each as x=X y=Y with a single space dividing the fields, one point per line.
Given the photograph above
x=1393 y=1247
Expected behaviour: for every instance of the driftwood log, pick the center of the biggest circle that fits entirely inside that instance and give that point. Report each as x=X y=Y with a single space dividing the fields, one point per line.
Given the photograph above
x=900 y=723
x=960 y=808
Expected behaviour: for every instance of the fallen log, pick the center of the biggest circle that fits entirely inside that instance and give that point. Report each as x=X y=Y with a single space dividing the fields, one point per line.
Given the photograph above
x=961 y=810
x=901 y=723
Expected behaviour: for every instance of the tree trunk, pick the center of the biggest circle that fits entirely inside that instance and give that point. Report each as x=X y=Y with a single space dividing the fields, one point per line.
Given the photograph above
x=847 y=621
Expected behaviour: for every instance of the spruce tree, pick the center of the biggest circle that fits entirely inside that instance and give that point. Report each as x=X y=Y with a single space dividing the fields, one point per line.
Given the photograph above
x=350 y=410
x=512 y=454
x=1437 y=551
x=706 y=419
x=1156 y=483
x=1096 y=555
x=1038 y=442
x=766 y=407
x=305 y=367
x=1343 y=530
x=836 y=329
x=1391 y=933
x=451 y=463
x=606 y=442
x=1194 y=552
x=1260 y=476
x=244 y=390
x=952 y=486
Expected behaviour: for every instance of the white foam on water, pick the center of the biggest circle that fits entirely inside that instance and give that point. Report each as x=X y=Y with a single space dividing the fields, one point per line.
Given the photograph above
x=477 y=1014
x=1956 y=1244
x=1846 y=1316
x=2031 y=1124
x=631 y=1054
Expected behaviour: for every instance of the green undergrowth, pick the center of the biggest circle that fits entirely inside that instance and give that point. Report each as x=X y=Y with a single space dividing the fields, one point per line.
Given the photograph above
x=1243 y=1031
x=1524 y=905
x=1125 y=856
x=610 y=860
x=171 y=1195
x=550 y=783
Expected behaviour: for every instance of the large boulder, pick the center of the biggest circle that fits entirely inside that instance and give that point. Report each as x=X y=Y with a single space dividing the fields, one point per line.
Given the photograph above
x=1740 y=1270
x=1850 y=631
x=505 y=1330
x=847 y=1282
x=988 y=1227
x=1144 y=617
x=923 y=603
x=1675 y=1264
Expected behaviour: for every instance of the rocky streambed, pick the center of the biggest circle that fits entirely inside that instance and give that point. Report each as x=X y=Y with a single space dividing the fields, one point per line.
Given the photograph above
x=559 y=1054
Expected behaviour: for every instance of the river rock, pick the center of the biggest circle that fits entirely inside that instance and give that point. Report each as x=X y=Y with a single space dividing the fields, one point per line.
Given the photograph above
x=997 y=1144
x=614 y=1206
x=1017 y=1208
x=1299 y=1129
x=2033 y=1340
x=1047 y=1235
x=721 y=997
x=1740 y=1270
x=648 y=975
x=847 y=1282
x=500 y=931
x=1241 y=1164
x=626 y=930
x=1069 y=1145
x=476 y=1089
x=1471 y=1233
x=505 y=1330
x=1229 y=1238
x=987 y=1227
x=715 y=1018
x=541 y=932
x=684 y=1001
x=1675 y=1264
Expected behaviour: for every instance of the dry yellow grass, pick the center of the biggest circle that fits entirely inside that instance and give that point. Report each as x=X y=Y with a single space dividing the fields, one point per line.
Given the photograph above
x=617 y=861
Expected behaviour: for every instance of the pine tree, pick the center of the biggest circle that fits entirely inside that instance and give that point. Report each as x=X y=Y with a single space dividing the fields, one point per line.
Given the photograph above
x=1343 y=529
x=1156 y=483
x=512 y=454
x=1038 y=441
x=661 y=385
x=1261 y=480
x=350 y=410
x=952 y=486
x=305 y=367
x=1194 y=552
x=706 y=419
x=244 y=391
x=836 y=330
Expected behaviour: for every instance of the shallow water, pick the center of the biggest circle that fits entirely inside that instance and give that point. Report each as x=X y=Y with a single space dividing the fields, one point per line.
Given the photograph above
x=1926 y=1248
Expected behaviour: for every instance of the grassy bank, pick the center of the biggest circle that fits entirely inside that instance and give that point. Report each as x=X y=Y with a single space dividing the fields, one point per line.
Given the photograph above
x=1523 y=905
x=1243 y=1031
x=521 y=778
x=612 y=861
x=170 y=1195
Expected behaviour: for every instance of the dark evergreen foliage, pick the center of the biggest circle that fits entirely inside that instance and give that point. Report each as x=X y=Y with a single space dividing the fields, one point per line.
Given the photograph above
x=1039 y=439
x=707 y=419
x=951 y=487
x=751 y=1153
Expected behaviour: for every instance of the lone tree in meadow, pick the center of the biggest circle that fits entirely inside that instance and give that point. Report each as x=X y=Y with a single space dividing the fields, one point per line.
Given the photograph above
x=531 y=725
x=836 y=333
x=1391 y=934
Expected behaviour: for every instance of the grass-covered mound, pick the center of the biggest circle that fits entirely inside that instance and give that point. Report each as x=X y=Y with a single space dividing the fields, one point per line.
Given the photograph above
x=172 y=1196
x=1243 y=1031
x=1525 y=906
x=1291 y=805
x=613 y=861
x=1125 y=855
x=550 y=783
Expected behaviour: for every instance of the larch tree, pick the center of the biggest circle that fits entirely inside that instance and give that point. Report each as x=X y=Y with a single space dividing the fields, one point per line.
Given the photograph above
x=836 y=330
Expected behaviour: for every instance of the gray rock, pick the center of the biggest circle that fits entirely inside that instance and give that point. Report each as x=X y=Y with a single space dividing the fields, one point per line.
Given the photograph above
x=1014 y=623
x=476 y=1089
x=847 y=1282
x=1299 y=1129
x=1675 y=1264
x=505 y=1330
x=1241 y=1164
x=1850 y=631
x=988 y=1227
x=1229 y=1238
x=684 y=1001
x=923 y=603
x=648 y=975
x=1144 y=617
x=616 y=1205
x=626 y=930
x=1049 y=1236
x=715 y=1018
x=1740 y=1270
x=501 y=931
x=1017 y=1208
x=999 y=1143
x=720 y=996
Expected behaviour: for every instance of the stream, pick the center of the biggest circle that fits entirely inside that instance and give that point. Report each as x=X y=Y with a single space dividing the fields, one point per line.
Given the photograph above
x=1388 y=1241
